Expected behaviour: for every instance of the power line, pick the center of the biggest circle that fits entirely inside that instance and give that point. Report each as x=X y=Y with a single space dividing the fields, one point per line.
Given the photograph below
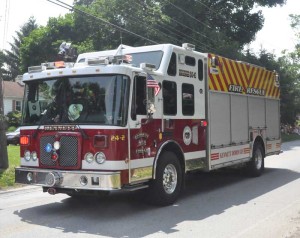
x=185 y=12
x=178 y=34
x=217 y=13
x=181 y=34
x=167 y=31
x=69 y=7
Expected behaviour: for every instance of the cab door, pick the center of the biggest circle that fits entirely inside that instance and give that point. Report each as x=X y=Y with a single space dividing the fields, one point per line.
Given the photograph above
x=144 y=130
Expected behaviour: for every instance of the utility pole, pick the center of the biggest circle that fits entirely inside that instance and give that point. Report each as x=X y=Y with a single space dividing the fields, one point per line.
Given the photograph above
x=3 y=142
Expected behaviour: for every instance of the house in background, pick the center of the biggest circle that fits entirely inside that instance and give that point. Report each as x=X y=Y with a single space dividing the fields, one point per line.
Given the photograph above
x=13 y=93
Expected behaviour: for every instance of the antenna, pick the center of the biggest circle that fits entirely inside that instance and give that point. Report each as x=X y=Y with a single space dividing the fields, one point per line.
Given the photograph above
x=121 y=37
x=121 y=45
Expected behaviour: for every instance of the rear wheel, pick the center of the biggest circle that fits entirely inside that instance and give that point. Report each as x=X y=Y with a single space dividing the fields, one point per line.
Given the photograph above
x=256 y=165
x=165 y=189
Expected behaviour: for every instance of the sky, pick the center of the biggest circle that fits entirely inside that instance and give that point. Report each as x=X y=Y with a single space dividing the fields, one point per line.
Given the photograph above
x=275 y=36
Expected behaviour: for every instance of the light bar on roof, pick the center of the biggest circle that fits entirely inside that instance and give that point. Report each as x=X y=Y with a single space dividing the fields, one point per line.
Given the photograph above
x=36 y=69
x=188 y=46
x=147 y=66
x=98 y=61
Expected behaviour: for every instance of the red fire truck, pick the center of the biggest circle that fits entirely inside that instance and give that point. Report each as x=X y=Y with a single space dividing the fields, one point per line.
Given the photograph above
x=142 y=117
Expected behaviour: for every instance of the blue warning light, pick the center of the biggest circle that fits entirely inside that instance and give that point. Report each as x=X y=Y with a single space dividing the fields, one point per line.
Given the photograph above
x=48 y=148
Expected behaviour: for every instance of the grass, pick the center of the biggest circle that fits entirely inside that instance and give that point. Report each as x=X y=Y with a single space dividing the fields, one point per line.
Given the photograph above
x=7 y=177
x=290 y=137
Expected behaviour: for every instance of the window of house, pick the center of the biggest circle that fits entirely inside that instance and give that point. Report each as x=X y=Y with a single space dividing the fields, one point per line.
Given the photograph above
x=170 y=98
x=18 y=106
x=188 y=99
x=172 y=69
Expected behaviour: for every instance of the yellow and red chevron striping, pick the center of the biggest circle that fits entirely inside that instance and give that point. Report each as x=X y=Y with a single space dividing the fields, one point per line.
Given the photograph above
x=249 y=78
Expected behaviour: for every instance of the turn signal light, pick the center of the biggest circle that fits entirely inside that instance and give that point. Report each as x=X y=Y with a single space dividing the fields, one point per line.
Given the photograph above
x=24 y=140
x=100 y=141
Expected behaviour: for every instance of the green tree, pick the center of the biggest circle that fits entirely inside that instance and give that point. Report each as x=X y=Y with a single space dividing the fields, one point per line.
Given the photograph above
x=14 y=118
x=43 y=43
x=290 y=78
x=11 y=58
x=222 y=27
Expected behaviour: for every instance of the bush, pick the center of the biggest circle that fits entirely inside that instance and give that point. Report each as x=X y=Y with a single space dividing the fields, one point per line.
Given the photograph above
x=14 y=118
x=11 y=128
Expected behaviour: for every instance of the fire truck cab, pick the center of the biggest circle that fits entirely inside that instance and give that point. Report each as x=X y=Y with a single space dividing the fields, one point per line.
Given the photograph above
x=142 y=117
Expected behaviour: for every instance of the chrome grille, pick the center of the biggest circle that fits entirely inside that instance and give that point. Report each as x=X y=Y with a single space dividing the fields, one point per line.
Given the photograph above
x=45 y=158
x=67 y=154
x=68 y=151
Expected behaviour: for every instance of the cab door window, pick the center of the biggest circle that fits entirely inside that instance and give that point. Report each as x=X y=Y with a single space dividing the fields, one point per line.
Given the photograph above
x=188 y=101
x=138 y=106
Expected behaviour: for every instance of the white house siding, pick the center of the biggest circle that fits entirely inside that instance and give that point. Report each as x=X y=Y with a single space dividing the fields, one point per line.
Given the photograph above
x=8 y=104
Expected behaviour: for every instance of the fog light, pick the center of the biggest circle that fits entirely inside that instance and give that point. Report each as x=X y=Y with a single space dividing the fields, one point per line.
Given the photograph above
x=100 y=157
x=89 y=157
x=29 y=177
x=83 y=180
x=34 y=156
x=27 y=155
x=53 y=178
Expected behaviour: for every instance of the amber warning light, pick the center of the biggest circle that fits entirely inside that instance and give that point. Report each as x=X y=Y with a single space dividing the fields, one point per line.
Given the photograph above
x=24 y=140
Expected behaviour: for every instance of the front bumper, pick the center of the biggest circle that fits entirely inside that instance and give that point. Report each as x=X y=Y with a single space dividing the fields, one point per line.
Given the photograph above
x=69 y=179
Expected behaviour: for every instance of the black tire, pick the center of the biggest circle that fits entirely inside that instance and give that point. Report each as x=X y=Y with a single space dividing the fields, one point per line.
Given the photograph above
x=165 y=189
x=256 y=166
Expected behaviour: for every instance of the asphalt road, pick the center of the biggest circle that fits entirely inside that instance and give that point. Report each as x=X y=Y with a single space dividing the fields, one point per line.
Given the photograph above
x=223 y=204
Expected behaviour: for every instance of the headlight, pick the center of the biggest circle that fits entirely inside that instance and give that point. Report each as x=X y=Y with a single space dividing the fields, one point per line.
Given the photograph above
x=100 y=157
x=89 y=157
x=56 y=145
x=27 y=155
x=34 y=156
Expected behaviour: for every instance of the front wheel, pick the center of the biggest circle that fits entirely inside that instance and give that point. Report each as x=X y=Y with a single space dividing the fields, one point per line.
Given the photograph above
x=256 y=165
x=165 y=189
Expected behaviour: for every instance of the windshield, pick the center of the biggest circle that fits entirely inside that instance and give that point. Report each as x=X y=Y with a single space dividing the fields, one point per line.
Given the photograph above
x=101 y=100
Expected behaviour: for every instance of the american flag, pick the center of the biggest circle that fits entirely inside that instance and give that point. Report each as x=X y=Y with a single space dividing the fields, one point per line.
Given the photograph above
x=152 y=83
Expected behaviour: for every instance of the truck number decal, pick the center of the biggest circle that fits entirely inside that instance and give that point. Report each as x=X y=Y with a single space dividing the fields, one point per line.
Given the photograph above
x=117 y=138
x=186 y=73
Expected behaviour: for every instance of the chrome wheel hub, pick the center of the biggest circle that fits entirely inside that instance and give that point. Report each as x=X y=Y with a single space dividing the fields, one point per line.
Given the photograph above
x=258 y=159
x=170 y=179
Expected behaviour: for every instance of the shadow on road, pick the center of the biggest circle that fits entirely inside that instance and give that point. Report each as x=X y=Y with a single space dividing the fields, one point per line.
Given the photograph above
x=124 y=214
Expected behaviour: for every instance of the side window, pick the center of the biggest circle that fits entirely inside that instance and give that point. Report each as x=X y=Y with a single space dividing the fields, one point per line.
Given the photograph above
x=169 y=98
x=188 y=99
x=138 y=98
x=200 y=70
x=172 y=69
x=190 y=61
